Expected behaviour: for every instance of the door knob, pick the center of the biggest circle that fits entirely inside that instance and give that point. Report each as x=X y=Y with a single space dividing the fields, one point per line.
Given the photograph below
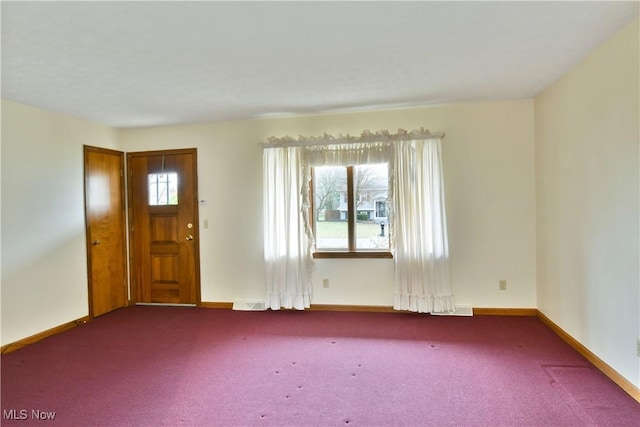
x=95 y=242
x=189 y=237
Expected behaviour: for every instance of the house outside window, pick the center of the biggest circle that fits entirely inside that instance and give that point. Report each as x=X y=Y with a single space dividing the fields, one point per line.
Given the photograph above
x=350 y=208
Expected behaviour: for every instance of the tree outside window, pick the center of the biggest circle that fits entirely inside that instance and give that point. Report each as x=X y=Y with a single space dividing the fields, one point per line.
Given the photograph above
x=350 y=208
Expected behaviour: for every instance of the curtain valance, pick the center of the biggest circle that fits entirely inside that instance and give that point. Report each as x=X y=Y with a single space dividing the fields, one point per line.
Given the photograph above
x=352 y=154
x=366 y=137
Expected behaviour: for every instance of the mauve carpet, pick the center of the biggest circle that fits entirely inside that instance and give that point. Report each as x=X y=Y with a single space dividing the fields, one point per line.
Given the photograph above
x=175 y=366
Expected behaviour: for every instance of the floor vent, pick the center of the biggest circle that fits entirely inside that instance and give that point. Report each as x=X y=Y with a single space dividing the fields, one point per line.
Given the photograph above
x=249 y=305
x=459 y=311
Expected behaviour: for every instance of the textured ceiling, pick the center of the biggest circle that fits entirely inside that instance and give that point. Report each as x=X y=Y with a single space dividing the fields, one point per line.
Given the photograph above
x=128 y=64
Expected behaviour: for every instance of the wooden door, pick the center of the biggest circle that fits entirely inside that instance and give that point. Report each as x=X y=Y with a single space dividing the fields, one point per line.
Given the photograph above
x=164 y=226
x=105 y=230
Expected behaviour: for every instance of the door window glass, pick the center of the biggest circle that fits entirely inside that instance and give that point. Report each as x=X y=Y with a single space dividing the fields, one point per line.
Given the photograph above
x=163 y=188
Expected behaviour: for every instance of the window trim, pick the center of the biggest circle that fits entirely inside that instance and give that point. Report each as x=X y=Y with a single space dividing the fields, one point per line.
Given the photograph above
x=352 y=251
x=351 y=254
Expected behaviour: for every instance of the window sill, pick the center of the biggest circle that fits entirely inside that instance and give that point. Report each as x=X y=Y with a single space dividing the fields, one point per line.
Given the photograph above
x=341 y=254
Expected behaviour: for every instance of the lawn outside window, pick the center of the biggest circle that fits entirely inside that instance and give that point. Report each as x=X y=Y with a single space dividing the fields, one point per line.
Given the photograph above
x=350 y=211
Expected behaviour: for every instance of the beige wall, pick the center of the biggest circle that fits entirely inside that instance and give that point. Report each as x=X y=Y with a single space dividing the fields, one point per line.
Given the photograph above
x=489 y=174
x=587 y=162
x=489 y=179
x=44 y=266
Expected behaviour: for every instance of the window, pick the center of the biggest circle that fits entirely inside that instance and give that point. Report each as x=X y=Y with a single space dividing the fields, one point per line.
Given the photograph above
x=163 y=189
x=418 y=217
x=381 y=209
x=349 y=210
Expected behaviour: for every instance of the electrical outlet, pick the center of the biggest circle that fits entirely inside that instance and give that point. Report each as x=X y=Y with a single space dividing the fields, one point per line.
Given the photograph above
x=325 y=283
x=638 y=347
x=502 y=285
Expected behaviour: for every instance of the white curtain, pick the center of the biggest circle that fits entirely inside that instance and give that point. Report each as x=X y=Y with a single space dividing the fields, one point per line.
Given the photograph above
x=287 y=237
x=417 y=214
x=421 y=251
